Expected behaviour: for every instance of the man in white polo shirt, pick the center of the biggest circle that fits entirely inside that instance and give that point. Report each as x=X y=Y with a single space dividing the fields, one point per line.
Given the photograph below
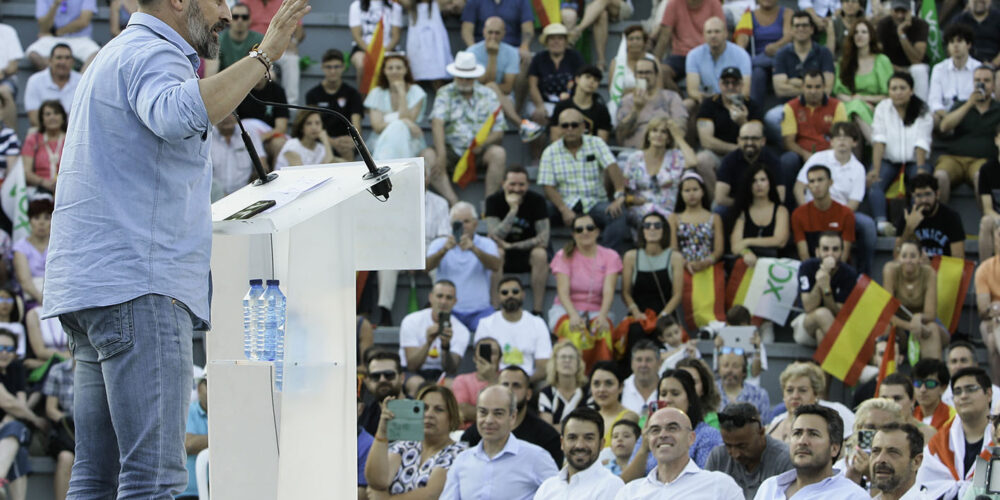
x=583 y=477
x=58 y=82
x=63 y=22
x=676 y=475
x=523 y=337
x=639 y=389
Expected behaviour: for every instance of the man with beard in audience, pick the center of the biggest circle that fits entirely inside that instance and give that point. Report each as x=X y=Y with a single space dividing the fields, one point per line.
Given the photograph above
x=583 y=477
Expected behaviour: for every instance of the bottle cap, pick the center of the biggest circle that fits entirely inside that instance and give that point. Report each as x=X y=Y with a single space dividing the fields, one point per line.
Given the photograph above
x=256 y=282
x=272 y=282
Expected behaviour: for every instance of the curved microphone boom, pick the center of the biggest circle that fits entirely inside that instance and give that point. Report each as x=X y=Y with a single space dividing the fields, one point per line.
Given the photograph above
x=380 y=175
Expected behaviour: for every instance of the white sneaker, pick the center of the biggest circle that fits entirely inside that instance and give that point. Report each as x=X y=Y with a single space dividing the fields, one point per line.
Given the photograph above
x=530 y=130
x=885 y=228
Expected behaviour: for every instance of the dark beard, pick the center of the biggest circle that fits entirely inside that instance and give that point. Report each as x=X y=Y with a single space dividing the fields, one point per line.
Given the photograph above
x=511 y=305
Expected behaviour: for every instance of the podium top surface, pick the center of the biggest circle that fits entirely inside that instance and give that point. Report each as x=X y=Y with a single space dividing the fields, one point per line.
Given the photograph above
x=300 y=193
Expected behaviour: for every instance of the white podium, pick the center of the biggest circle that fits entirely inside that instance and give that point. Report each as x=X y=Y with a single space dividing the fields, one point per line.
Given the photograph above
x=300 y=443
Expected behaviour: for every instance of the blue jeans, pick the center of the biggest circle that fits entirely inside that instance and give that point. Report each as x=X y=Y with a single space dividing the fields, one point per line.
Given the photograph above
x=772 y=124
x=865 y=238
x=888 y=173
x=614 y=230
x=132 y=388
x=762 y=64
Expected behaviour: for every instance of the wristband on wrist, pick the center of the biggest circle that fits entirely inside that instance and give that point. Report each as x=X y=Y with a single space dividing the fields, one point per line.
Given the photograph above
x=261 y=56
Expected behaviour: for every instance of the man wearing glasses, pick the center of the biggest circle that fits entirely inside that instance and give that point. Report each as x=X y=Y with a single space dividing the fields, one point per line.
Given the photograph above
x=523 y=337
x=676 y=475
x=384 y=379
x=748 y=455
x=235 y=42
x=737 y=163
x=949 y=462
x=571 y=171
x=732 y=381
x=930 y=377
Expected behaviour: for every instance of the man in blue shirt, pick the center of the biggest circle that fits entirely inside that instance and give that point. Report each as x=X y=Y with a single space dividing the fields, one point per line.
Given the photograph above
x=128 y=268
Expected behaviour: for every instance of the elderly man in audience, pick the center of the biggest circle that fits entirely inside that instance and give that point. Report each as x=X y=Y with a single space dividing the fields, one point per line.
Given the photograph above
x=950 y=457
x=935 y=225
x=647 y=101
x=501 y=62
x=518 y=221
x=897 y=452
x=58 y=81
x=63 y=22
x=528 y=426
x=460 y=110
x=951 y=79
x=732 y=383
x=468 y=262
x=930 y=377
x=968 y=129
x=524 y=337
x=676 y=475
x=962 y=354
x=583 y=477
x=571 y=172
x=432 y=341
x=704 y=64
x=639 y=390
x=384 y=378
x=816 y=442
x=501 y=466
x=825 y=281
x=748 y=455
x=820 y=215
x=518 y=19
x=588 y=102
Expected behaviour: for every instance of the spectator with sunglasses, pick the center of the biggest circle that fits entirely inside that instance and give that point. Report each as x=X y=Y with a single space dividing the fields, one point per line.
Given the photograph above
x=930 y=376
x=652 y=275
x=235 y=42
x=523 y=337
x=747 y=454
x=384 y=379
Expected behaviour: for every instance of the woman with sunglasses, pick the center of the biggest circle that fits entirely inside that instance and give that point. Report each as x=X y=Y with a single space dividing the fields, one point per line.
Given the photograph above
x=586 y=275
x=394 y=108
x=862 y=76
x=420 y=467
x=567 y=384
x=652 y=175
x=695 y=231
x=914 y=283
x=651 y=275
x=761 y=227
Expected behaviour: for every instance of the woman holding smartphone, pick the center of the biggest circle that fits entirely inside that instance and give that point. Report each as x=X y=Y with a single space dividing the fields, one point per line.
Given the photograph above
x=417 y=467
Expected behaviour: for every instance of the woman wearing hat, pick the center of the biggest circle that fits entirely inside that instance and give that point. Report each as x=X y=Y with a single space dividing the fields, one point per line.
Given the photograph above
x=550 y=72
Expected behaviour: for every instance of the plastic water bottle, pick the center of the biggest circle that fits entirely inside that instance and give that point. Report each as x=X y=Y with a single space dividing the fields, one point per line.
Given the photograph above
x=249 y=318
x=274 y=329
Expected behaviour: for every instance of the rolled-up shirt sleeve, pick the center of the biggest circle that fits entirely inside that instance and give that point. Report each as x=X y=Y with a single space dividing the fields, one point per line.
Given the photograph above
x=171 y=107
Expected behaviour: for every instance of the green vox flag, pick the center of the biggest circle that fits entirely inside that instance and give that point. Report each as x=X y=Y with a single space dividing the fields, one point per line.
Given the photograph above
x=929 y=13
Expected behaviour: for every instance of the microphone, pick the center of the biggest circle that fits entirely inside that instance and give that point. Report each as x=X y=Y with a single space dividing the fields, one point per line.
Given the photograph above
x=262 y=176
x=380 y=190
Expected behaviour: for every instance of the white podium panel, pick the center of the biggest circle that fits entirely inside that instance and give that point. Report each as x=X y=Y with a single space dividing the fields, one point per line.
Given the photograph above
x=325 y=227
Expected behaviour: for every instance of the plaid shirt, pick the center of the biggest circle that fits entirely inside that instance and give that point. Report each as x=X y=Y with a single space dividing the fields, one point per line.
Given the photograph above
x=752 y=394
x=59 y=383
x=577 y=177
x=462 y=116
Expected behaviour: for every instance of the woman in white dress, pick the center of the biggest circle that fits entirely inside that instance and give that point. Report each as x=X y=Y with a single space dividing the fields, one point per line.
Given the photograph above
x=309 y=144
x=427 y=43
x=394 y=108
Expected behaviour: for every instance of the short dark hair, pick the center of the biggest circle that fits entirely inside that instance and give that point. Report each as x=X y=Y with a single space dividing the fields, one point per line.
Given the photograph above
x=694 y=412
x=60 y=45
x=960 y=31
x=960 y=343
x=632 y=29
x=664 y=237
x=846 y=128
x=738 y=316
x=587 y=415
x=508 y=279
x=384 y=355
x=923 y=180
x=738 y=415
x=590 y=69
x=831 y=234
x=445 y=282
x=644 y=345
x=630 y=424
x=900 y=379
x=914 y=438
x=656 y=65
x=240 y=4
x=815 y=72
x=516 y=368
x=801 y=14
x=515 y=169
x=608 y=366
x=834 y=424
x=816 y=168
x=982 y=378
x=332 y=54
x=928 y=367
x=9 y=334
x=40 y=206
x=56 y=106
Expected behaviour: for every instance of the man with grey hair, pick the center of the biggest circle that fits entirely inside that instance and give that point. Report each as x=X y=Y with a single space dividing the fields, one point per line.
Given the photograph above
x=468 y=260
x=501 y=466
x=141 y=238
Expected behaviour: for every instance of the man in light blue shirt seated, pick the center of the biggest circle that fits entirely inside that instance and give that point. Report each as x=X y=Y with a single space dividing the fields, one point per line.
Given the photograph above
x=502 y=63
x=500 y=467
x=196 y=437
x=704 y=64
x=816 y=442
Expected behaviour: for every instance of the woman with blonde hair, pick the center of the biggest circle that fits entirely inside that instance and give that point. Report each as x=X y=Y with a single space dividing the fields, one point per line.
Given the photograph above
x=653 y=174
x=804 y=383
x=567 y=380
x=868 y=417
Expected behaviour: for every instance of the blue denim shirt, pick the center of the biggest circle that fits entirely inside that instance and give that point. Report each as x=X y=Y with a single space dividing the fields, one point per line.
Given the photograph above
x=133 y=212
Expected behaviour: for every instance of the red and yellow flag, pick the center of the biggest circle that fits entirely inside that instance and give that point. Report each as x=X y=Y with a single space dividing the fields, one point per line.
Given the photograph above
x=888 y=364
x=465 y=169
x=547 y=11
x=897 y=190
x=744 y=26
x=704 y=297
x=739 y=282
x=953 y=278
x=849 y=344
x=374 y=56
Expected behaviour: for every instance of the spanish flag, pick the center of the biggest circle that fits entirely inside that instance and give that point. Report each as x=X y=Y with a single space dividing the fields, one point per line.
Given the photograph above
x=897 y=190
x=465 y=169
x=888 y=365
x=953 y=278
x=373 y=59
x=849 y=344
x=704 y=297
x=547 y=11
x=738 y=284
x=744 y=26
x=596 y=342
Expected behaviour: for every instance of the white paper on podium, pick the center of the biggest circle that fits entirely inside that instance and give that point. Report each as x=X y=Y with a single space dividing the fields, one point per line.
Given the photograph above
x=300 y=187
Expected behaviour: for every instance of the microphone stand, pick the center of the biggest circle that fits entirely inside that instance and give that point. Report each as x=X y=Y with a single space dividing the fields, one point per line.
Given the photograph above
x=380 y=175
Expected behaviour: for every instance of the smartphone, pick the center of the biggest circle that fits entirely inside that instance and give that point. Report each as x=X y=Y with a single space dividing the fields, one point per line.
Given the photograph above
x=653 y=406
x=865 y=437
x=457 y=230
x=486 y=350
x=408 y=421
x=736 y=100
x=640 y=84
x=252 y=210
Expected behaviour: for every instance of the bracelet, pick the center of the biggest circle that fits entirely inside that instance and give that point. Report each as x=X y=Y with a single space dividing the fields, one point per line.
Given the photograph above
x=381 y=439
x=261 y=56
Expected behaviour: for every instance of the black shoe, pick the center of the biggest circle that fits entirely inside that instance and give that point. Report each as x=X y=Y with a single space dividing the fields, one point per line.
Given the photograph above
x=384 y=317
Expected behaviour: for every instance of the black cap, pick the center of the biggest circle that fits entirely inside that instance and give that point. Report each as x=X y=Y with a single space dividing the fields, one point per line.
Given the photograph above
x=591 y=70
x=731 y=72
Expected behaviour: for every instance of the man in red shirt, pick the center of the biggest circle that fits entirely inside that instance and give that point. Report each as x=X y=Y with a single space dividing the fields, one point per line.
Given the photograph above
x=820 y=215
x=808 y=119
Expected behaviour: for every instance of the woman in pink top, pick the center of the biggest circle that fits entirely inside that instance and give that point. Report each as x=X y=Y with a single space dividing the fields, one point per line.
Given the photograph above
x=586 y=274
x=467 y=386
x=42 y=149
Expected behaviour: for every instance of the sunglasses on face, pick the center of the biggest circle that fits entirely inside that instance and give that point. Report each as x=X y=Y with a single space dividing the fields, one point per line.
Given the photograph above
x=570 y=125
x=732 y=350
x=584 y=229
x=387 y=375
x=514 y=291
x=652 y=225
x=241 y=17
x=930 y=384
x=7 y=348
x=6 y=300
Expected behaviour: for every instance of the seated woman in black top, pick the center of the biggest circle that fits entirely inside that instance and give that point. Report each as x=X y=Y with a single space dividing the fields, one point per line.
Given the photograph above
x=761 y=228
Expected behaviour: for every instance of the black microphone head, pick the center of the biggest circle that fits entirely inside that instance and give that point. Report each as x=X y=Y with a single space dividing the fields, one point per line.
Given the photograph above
x=381 y=188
